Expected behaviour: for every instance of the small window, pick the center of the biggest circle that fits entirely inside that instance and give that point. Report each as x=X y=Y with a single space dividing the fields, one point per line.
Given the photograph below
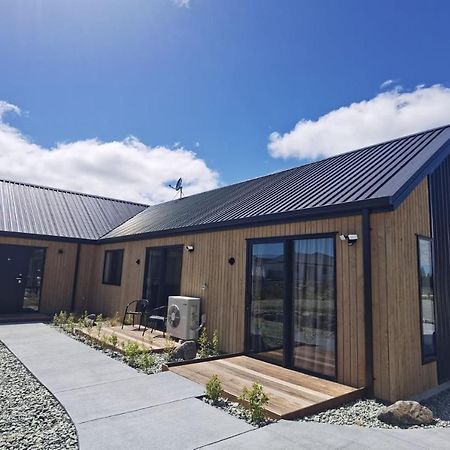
x=426 y=291
x=112 y=269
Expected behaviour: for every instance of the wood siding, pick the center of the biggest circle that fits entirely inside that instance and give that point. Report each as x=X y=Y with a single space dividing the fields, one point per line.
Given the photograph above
x=398 y=369
x=223 y=300
x=59 y=270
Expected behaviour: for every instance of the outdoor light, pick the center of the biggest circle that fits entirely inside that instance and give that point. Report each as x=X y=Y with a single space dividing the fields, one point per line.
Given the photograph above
x=190 y=248
x=350 y=238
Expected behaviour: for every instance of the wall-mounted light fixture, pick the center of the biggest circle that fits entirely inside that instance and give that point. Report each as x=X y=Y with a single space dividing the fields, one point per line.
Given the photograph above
x=138 y=261
x=189 y=248
x=231 y=261
x=350 y=238
x=60 y=251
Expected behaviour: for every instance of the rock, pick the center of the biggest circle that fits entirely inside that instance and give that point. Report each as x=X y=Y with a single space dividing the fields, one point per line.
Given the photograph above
x=186 y=350
x=406 y=413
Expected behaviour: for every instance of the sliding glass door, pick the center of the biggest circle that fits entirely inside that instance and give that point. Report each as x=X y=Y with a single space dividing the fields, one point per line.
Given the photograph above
x=291 y=309
x=267 y=304
x=314 y=306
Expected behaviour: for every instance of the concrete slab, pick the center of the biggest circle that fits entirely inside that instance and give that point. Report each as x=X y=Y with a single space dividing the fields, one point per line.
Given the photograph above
x=118 y=397
x=185 y=424
x=294 y=435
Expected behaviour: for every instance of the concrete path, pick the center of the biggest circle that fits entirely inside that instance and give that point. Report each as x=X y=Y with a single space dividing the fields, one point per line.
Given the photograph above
x=112 y=405
x=115 y=407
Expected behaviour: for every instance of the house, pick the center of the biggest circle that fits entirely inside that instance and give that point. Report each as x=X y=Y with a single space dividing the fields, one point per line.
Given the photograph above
x=337 y=268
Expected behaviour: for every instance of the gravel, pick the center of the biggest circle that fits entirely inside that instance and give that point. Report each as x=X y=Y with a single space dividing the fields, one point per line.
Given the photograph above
x=160 y=358
x=237 y=410
x=30 y=417
x=364 y=413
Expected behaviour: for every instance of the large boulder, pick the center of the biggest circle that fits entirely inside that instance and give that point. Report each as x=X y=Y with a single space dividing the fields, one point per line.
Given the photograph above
x=186 y=350
x=406 y=413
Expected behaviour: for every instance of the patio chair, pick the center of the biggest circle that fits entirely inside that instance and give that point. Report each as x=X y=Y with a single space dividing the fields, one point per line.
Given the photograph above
x=141 y=306
x=154 y=317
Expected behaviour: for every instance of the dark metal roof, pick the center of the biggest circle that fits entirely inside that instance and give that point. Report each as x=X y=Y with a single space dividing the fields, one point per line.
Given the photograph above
x=37 y=210
x=373 y=177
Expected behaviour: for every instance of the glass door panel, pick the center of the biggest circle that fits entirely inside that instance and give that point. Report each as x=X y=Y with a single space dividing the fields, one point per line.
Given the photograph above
x=267 y=301
x=314 y=307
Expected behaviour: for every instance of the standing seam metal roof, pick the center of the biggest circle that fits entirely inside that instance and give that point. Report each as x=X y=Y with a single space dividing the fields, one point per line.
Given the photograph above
x=372 y=175
x=38 y=210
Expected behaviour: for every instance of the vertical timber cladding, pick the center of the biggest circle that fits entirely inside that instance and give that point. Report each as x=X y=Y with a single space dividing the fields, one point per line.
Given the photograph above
x=398 y=369
x=223 y=300
x=59 y=270
x=440 y=207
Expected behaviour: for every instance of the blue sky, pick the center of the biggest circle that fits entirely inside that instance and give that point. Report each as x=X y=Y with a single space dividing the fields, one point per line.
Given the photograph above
x=214 y=77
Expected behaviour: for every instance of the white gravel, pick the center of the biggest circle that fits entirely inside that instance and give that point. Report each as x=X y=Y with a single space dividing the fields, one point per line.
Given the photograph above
x=30 y=417
x=364 y=413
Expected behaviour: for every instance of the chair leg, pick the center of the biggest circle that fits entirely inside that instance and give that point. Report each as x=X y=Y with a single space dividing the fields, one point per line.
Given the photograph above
x=124 y=317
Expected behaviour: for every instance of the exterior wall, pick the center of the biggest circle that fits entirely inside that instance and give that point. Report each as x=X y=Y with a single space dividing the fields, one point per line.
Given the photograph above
x=398 y=369
x=224 y=299
x=59 y=270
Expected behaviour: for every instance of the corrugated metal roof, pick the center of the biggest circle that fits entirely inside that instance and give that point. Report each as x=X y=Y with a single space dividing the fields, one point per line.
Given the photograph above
x=367 y=177
x=31 y=209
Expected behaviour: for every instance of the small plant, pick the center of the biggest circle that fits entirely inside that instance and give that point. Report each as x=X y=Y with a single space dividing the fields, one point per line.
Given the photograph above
x=60 y=319
x=131 y=352
x=113 y=339
x=213 y=389
x=169 y=348
x=70 y=323
x=256 y=399
x=83 y=320
x=203 y=344
x=145 y=360
x=114 y=321
x=215 y=343
x=99 y=321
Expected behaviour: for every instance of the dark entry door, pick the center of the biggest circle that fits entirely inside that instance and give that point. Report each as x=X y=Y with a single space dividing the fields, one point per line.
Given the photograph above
x=162 y=274
x=21 y=271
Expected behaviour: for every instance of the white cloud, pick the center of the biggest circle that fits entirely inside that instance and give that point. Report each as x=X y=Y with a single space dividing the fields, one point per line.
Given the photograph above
x=386 y=84
x=182 y=3
x=388 y=115
x=6 y=107
x=126 y=169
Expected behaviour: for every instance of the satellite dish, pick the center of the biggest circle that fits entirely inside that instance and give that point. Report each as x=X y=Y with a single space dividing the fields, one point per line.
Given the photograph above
x=178 y=187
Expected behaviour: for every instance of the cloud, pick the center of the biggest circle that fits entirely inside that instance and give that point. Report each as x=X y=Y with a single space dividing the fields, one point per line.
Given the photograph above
x=388 y=115
x=6 y=107
x=126 y=169
x=182 y=3
x=386 y=84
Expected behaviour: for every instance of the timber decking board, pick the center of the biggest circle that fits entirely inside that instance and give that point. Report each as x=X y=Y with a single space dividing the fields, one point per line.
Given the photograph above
x=292 y=394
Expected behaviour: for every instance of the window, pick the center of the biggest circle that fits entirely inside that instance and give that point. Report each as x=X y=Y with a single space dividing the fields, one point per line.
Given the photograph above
x=428 y=326
x=112 y=269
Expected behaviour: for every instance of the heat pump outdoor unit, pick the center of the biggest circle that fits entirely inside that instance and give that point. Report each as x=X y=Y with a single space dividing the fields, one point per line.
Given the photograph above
x=183 y=316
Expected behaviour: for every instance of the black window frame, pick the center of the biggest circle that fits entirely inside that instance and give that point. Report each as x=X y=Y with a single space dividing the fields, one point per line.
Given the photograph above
x=115 y=282
x=426 y=358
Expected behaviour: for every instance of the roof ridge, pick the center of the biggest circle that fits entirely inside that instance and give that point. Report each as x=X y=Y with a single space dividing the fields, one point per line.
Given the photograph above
x=67 y=191
x=310 y=163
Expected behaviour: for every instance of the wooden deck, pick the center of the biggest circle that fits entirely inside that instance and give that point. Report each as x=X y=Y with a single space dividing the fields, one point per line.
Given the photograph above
x=292 y=394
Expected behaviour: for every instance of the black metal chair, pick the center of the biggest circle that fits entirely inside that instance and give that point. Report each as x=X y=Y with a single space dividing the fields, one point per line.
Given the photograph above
x=154 y=317
x=140 y=310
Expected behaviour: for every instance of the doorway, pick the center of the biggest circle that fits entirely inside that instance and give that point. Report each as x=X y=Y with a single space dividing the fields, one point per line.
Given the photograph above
x=21 y=276
x=162 y=274
x=291 y=303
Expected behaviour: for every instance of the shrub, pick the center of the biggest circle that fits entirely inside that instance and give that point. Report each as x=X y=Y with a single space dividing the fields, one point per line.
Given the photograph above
x=131 y=351
x=169 y=348
x=213 y=389
x=145 y=360
x=82 y=320
x=70 y=323
x=113 y=339
x=99 y=321
x=215 y=343
x=203 y=344
x=256 y=399
x=114 y=321
x=60 y=319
